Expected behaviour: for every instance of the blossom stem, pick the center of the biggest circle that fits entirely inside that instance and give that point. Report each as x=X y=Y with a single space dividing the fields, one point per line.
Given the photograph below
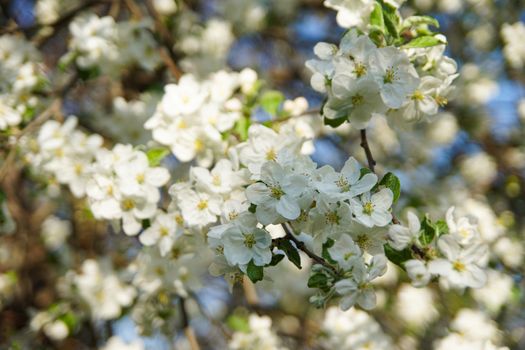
x=301 y=246
x=368 y=152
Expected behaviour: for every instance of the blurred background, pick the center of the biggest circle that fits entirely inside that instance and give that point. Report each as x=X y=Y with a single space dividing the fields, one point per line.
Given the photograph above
x=471 y=155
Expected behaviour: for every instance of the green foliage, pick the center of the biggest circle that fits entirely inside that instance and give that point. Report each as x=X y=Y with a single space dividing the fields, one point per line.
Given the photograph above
x=428 y=232
x=241 y=128
x=423 y=41
x=238 y=323
x=325 y=254
x=396 y=256
x=431 y=231
x=290 y=251
x=270 y=101
x=416 y=21
x=334 y=123
x=156 y=155
x=276 y=259
x=255 y=273
x=318 y=280
x=392 y=182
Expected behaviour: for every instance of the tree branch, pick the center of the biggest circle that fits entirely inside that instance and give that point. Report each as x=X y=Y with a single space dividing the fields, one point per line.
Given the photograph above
x=368 y=152
x=188 y=331
x=301 y=246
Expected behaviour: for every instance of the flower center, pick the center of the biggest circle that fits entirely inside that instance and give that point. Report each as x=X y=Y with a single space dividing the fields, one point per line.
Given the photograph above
x=418 y=96
x=390 y=76
x=363 y=241
x=249 y=240
x=441 y=101
x=359 y=69
x=459 y=266
x=343 y=184
x=164 y=231
x=357 y=100
x=203 y=204
x=271 y=155
x=368 y=208
x=128 y=204
x=140 y=178
x=332 y=218
x=276 y=192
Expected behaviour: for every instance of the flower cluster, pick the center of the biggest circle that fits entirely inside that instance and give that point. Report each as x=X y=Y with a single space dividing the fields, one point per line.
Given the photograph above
x=453 y=250
x=102 y=290
x=366 y=76
x=100 y=42
x=259 y=336
x=118 y=183
x=348 y=207
x=22 y=76
x=193 y=115
x=514 y=49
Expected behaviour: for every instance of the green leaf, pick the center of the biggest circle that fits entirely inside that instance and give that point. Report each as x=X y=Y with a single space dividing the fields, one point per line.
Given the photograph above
x=238 y=323
x=325 y=254
x=364 y=171
x=334 y=123
x=423 y=41
x=376 y=17
x=252 y=208
x=398 y=257
x=414 y=21
x=318 y=280
x=271 y=100
x=291 y=252
x=156 y=155
x=428 y=231
x=441 y=227
x=88 y=73
x=70 y=320
x=392 y=182
x=255 y=273
x=241 y=128
x=391 y=20
x=276 y=258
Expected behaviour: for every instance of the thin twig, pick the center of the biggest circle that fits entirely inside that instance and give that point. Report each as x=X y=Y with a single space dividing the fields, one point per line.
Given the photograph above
x=188 y=331
x=249 y=291
x=166 y=51
x=301 y=246
x=368 y=152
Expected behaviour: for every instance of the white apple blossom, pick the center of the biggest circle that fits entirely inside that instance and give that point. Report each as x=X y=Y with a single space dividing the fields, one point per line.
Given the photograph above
x=461 y=267
x=399 y=236
x=345 y=252
x=277 y=193
x=373 y=209
x=103 y=291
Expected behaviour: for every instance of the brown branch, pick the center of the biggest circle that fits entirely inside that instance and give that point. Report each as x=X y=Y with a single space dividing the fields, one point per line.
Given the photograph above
x=165 y=39
x=368 y=152
x=188 y=331
x=301 y=246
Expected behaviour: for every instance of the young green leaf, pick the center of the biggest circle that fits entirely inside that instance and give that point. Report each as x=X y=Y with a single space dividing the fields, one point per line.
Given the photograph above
x=398 y=257
x=270 y=101
x=392 y=182
x=428 y=232
x=423 y=41
x=317 y=280
x=290 y=251
x=255 y=273
x=156 y=155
